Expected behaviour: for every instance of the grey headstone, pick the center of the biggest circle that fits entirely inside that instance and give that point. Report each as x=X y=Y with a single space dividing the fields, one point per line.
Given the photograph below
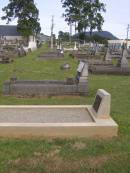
x=124 y=61
x=80 y=67
x=108 y=56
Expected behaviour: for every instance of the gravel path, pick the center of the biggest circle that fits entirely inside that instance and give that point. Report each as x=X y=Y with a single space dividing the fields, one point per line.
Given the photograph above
x=46 y=115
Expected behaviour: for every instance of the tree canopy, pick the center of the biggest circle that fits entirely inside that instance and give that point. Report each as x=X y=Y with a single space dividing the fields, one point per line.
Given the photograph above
x=86 y=13
x=63 y=36
x=27 y=14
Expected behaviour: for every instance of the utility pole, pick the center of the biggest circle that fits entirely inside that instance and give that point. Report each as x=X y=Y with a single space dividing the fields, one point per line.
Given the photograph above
x=127 y=37
x=128 y=28
x=52 y=27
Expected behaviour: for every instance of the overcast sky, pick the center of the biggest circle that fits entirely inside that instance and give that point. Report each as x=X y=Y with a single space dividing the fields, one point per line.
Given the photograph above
x=117 y=16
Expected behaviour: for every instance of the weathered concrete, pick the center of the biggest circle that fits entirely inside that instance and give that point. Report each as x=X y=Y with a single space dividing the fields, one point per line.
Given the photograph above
x=51 y=55
x=46 y=87
x=59 y=121
x=110 y=70
x=122 y=67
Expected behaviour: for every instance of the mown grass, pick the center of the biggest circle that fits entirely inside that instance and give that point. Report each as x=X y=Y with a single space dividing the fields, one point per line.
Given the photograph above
x=68 y=155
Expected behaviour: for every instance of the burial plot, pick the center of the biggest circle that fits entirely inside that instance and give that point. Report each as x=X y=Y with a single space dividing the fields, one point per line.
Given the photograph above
x=59 y=121
x=92 y=60
x=48 y=87
x=121 y=68
x=5 y=57
x=52 y=55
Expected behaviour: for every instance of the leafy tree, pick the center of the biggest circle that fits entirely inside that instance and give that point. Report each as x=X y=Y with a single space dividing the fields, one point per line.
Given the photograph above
x=93 y=15
x=73 y=12
x=86 y=13
x=63 y=36
x=26 y=12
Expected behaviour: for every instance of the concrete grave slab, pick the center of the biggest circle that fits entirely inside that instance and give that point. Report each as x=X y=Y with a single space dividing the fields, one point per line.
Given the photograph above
x=59 y=121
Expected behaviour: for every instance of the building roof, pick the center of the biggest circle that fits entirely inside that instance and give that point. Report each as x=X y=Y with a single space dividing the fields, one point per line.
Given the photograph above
x=43 y=37
x=8 y=30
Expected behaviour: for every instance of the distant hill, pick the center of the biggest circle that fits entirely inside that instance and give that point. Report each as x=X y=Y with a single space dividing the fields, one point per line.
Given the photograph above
x=105 y=34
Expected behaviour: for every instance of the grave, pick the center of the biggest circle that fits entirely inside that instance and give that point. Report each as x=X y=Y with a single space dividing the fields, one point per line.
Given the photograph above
x=5 y=57
x=122 y=67
x=30 y=88
x=92 y=60
x=60 y=121
x=52 y=55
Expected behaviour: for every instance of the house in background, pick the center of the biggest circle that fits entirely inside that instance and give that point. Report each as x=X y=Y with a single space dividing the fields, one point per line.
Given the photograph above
x=10 y=36
x=118 y=43
x=42 y=38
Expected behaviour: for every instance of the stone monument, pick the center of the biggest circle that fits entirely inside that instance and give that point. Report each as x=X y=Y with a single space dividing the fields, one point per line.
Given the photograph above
x=75 y=46
x=108 y=55
x=124 y=61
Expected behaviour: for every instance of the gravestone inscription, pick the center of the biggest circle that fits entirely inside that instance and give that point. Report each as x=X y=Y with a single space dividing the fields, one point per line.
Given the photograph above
x=97 y=103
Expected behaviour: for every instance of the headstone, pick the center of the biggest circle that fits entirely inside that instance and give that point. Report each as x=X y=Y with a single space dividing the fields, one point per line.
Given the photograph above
x=108 y=55
x=65 y=66
x=60 y=47
x=75 y=46
x=102 y=104
x=84 y=74
x=124 y=61
x=80 y=67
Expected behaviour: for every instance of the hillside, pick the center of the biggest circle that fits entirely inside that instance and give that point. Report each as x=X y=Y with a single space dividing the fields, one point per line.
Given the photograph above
x=104 y=34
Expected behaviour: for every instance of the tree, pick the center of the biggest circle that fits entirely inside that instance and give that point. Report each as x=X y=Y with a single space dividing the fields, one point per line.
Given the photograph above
x=93 y=15
x=26 y=12
x=63 y=36
x=86 y=13
x=73 y=12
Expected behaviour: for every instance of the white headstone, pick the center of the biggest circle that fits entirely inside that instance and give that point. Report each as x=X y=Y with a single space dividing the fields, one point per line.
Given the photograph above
x=84 y=74
x=75 y=46
x=102 y=104
x=80 y=67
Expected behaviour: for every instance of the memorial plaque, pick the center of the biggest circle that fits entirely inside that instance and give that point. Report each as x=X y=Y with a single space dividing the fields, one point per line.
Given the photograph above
x=97 y=103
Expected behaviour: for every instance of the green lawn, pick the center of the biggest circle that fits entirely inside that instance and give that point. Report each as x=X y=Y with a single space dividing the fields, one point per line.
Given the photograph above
x=67 y=156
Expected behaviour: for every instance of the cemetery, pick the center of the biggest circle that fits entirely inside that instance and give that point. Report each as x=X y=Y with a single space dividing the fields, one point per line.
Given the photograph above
x=64 y=88
x=70 y=116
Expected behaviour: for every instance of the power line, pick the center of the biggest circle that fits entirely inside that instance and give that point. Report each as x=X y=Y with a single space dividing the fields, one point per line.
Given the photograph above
x=128 y=28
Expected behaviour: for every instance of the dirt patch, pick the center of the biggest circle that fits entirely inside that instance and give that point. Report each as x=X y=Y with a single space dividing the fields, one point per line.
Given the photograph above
x=66 y=97
x=79 y=146
x=54 y=163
